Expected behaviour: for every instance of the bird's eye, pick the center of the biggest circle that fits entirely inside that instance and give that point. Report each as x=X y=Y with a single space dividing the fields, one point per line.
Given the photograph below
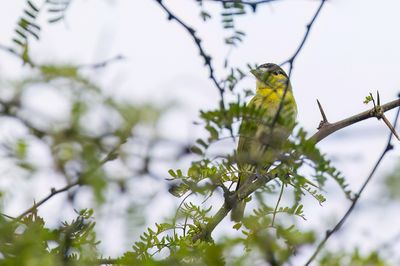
x=275 y=73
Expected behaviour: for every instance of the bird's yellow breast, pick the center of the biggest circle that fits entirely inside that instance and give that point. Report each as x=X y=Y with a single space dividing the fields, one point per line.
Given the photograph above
x=270 y=98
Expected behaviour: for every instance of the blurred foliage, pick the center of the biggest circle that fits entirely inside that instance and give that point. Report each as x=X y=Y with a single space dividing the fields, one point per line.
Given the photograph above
x=392 y=184
x=97 y=129
x=29 y=242
x=355 y=258
x=78 y=145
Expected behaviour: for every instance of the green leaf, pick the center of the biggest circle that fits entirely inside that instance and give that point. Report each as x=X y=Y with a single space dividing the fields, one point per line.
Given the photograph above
x=368 y=99
x=213 y=133
x=32 y=6
x=21 y=149
x=172 y=173
x=237 y=226
x=196 y=150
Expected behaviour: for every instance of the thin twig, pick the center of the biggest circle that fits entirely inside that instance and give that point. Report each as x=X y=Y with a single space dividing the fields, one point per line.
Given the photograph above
x=291 y=60
x=309 y=26
x=37 y=204
x=207 y=58
x=104 y=63
x=177 y=212
x=109 y=157
x=329 y=233
x=277 y=204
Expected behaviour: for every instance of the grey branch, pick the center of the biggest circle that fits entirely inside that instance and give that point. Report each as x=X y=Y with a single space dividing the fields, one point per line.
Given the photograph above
x=327 y=129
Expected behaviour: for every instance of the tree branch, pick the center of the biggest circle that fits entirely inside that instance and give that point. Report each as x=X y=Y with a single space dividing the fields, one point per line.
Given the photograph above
x=329 y=233
x=291 y=60
x=207 y=58
x=327 y=128
x=104 y=63
x=109 y=157
x=37 y=204
x=309 y=26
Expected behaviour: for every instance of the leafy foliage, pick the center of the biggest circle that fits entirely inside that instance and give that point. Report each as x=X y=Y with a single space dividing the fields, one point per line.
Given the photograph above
x=78 y=152
x=57 y=9
x=25 y=28
x=355 y=258
x=29 y=242
x=209 y=175
x=230 y=12
x=28 y=26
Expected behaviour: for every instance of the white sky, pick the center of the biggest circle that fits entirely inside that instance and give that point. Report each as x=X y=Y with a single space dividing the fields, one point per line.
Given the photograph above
x=353 y=49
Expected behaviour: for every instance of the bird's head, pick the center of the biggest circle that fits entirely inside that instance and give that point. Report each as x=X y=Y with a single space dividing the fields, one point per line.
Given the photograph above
x=271 y=75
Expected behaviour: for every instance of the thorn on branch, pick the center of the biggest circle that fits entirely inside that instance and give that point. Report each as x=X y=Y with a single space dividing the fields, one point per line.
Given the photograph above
x=328 y=232
x=324 y=120
x=389 y=147
x=389 y=125
x=378 y=98
x=192 y=31
x=373 y=101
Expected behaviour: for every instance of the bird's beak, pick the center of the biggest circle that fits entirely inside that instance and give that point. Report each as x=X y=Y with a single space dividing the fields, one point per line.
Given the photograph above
x=256 y=72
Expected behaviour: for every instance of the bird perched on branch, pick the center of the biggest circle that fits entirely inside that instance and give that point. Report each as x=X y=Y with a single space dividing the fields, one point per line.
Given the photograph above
x=267 y=123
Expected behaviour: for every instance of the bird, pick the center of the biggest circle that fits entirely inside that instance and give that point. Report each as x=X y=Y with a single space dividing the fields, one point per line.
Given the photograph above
x=265 y=127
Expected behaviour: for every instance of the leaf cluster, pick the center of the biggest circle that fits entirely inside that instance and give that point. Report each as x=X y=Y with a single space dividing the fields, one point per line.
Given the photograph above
x=30 y=242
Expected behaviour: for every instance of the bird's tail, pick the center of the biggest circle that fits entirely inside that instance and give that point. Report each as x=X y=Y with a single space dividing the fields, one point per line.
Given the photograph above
x=238 y=211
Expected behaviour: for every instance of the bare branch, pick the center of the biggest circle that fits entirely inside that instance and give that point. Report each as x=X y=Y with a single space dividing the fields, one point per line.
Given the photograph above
x=329 y=233
x=291 y=60
x=309 y=26
x=37 y=204
x=207 y=58
x=328 y=129
x=104 y=63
